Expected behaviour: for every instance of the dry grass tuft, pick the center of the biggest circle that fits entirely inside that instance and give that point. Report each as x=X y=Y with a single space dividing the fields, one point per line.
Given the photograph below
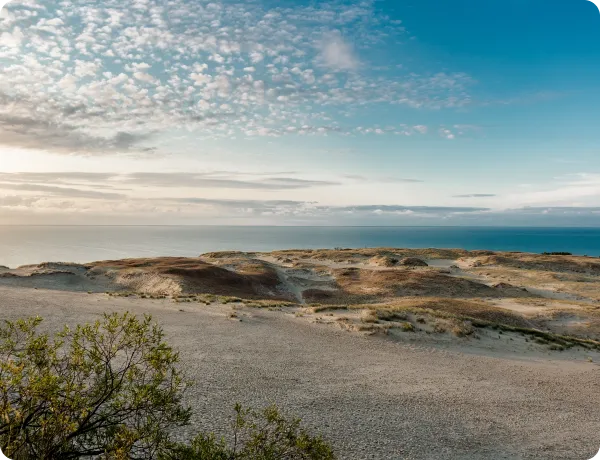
x=463 y=329
x=369 y=316
x=440 y=328
x=446 y=308
x=362 y=285
x=407 y=327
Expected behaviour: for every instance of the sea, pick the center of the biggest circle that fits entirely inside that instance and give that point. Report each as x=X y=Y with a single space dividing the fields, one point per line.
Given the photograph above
x=22 y=245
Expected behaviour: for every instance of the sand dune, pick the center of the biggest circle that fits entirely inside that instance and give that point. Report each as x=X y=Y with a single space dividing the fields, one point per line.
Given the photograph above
x=451 y=354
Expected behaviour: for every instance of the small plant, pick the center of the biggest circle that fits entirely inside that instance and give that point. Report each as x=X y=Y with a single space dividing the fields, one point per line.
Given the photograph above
x=390 y=315
x=439 y=328
x=229 y=299
x=364 y=328
x=264 y=435
x=463 y=329
x=368 y=316
x=407 y=327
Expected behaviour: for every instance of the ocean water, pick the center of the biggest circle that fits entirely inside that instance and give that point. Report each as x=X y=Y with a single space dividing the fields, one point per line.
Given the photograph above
x=20 y=245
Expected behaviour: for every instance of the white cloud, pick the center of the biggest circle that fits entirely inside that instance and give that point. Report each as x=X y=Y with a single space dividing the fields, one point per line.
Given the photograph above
x=446 y=133
x=336 y=53
x=144 y=76
x=216 y=70
x=5 y=14
x=86 y=69
x=576 y=190
x=12 y=39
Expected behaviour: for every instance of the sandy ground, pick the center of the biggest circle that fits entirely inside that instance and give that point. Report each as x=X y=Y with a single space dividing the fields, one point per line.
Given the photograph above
x=374 y=398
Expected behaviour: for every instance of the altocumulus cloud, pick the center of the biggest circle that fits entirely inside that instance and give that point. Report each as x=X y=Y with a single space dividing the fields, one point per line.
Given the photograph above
x=117 y=76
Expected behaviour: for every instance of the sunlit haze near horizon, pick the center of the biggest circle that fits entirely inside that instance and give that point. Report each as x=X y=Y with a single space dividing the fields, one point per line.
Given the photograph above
x=261 y=112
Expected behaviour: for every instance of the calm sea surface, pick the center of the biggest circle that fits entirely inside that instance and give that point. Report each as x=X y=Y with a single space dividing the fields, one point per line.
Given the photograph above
x=29 y=245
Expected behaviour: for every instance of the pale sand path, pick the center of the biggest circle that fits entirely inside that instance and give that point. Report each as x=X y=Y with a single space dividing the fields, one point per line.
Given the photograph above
x=375 y=399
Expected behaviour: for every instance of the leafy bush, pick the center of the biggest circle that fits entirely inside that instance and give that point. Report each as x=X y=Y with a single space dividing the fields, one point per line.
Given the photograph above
x=113 y=390
x=257 y=436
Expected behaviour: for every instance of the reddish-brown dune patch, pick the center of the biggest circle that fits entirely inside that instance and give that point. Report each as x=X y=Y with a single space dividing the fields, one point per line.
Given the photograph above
x=250 y=280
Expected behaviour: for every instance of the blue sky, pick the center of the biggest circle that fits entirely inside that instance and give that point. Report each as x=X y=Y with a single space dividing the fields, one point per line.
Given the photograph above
x=300 y=112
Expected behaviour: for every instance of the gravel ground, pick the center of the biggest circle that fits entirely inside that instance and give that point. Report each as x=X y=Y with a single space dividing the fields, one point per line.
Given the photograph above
x=371 y=397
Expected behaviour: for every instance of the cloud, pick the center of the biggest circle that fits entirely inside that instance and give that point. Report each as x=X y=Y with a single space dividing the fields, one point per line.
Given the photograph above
x=395 y=209
x=401 y=180
x=446 y=133
x=557 y=210
x=61 y=203
x=576 y=190
x=257 y=205
x=43 y=134
x=388 y=180
x=476 y=195
x=215 y=180
x=12 y=201
x=98 y=180
x=111 y=77
x=336 y=53
x=62 y=191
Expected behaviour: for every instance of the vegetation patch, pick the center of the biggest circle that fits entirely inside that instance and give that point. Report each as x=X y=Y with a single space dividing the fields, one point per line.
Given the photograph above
x=114 y=390
x=462 y=318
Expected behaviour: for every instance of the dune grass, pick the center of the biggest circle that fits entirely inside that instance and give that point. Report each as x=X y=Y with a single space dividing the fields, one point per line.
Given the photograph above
x=464 y=317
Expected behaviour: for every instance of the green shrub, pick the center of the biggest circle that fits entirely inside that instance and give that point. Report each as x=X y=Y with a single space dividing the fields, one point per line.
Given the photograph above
x=264 y=435
x=113 y=390
x=407 y=327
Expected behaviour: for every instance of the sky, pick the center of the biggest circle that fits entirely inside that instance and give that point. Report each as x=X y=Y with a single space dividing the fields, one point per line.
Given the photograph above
x=295 y=112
